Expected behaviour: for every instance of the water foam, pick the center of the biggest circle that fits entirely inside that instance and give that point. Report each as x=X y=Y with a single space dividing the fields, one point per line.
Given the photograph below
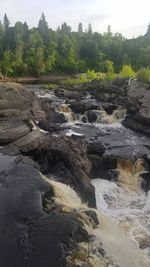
x=130 y=211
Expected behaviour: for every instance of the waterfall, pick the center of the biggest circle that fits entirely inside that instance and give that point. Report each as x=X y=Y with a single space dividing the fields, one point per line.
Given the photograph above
x=108 y=245
x=129 y=211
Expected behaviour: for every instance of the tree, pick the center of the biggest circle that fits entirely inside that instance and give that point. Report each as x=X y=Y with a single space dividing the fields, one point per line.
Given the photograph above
x=65 y=28
x=1 y=40
x=90 y=31
x=144 y=75
x=43 y=29
x=39 y=62
x=110 y=69
x=80 y=28
x=6 y=23
x=109 y=30
x=8 y=33
x=6 y=65
x=34 y=43
x=148 y=30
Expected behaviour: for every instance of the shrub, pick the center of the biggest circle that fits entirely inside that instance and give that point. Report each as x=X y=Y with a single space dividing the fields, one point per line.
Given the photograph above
x=91 y=74
x=110 y=74
x=144 y=75
x=127 y=72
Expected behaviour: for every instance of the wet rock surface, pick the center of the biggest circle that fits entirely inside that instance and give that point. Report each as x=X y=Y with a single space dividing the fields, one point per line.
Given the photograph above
x=29 y=235
x=70 y=137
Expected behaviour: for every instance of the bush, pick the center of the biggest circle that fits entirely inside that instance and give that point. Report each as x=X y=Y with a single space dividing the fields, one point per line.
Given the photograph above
x=144 y=75
x=127 y=72
x=76 y=81
x=91 y=75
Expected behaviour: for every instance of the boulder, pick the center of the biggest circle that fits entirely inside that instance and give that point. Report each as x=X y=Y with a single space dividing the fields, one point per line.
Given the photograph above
x=12 y=130
x=35 y=231
x=63 y=157
x=92 y=115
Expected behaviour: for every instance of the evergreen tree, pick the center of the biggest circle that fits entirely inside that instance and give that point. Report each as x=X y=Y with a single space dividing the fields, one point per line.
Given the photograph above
x=1 y=40
x=6 y=23
x=148 y=30
x=90 y=31
x=80 y=28
x=43 y=29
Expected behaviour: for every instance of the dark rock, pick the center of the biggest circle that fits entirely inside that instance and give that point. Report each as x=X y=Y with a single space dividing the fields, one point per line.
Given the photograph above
x=12 y=130
x=92 y=116
x=95 y=148
x=59 y=92
x=34 y=237
x=65 y=158
x=51 y=127
x=109 y=107
x=138 y=104
x=103 y=167
x=134 y=124
x=84 y=119
x=77 y=107
x=146 y=181
x=92 y=214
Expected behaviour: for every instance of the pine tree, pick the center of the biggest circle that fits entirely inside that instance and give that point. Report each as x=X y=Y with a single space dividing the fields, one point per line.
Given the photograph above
x=6 y=23
x=148 y=30
x=80 y=28
x=90 y=31
x=43 y=29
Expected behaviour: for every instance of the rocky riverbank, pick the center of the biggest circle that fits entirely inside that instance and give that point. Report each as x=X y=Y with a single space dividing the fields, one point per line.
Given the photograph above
x=51 y=148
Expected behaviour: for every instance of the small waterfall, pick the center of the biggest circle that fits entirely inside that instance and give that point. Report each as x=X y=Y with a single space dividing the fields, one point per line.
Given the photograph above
x=116 y=116
x=67 y=112
x=107 y=246
x=129 y=174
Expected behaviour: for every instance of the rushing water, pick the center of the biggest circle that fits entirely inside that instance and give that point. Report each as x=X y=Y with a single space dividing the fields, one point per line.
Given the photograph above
x=129 y=210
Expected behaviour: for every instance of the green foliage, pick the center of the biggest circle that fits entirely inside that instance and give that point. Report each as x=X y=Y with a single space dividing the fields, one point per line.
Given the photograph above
x=91 y=74
x=127 y=72
x=144 y=75
x=6 y=64
x=80 y=80
x=50 y=86
x=41 y=50
x=110 y=75
x=85 y=77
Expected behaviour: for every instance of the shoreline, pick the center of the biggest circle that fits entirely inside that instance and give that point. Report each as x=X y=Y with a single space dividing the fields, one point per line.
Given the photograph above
x=32 y=79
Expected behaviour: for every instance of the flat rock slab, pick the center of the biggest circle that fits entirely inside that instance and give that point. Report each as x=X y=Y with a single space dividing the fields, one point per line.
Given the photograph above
x=33 y=139
x=12 y=130
x=6 y=162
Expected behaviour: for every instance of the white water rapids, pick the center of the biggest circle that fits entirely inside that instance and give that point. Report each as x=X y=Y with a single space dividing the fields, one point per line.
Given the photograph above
x=129 y=210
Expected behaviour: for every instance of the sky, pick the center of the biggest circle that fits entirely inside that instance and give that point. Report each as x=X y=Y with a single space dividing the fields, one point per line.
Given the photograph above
x=129 y=17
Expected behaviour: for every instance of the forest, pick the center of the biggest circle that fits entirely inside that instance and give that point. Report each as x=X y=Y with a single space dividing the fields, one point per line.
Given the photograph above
x=42 y=50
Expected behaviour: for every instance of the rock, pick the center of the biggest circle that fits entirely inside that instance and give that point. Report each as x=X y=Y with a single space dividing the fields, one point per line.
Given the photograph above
x=63 y=157
x=109 y=107
x=59 y=92
x=14 y=96
x=138 y=103
x=39 y=237
x=134 y=124
x=51 y=127
x=78 y=107
x=103 y=167
x=12 y=130
x=92 y=115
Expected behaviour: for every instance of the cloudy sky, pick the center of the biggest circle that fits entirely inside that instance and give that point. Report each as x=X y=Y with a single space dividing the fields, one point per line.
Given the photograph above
x=130 y=17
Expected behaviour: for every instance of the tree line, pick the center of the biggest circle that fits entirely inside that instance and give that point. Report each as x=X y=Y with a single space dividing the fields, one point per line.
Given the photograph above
x=41 y=50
